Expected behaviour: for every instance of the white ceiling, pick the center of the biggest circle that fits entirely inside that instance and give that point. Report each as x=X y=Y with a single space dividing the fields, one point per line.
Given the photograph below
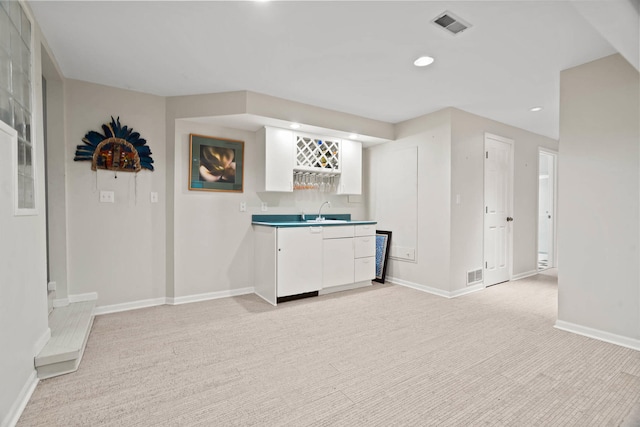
x=355 y=57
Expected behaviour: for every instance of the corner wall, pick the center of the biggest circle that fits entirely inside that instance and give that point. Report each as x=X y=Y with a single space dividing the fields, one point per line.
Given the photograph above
x=467 y=180
x=115 y=249
x=450 y=235
x=426 y=228
x=599 y=186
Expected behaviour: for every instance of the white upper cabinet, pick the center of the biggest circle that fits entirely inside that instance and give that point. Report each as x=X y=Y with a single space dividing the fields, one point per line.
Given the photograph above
x=316 y=159
x=351 y=176
x=278 y=158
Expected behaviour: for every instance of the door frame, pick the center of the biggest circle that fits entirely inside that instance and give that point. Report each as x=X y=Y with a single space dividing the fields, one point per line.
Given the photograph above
x=554 y=234
x=510 y=184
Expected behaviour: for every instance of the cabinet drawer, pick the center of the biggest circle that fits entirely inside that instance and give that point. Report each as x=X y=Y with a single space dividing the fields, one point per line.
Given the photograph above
x=365 y=246
x=366 y=230
x=337 y=231
x=365 y=269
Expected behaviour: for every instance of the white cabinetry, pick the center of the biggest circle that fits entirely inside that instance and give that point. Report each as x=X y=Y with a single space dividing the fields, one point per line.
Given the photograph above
x=318 y=157
x=287 y=261
x=299 y=260
x=278 y=158
x=365 y=253
x=299 y=254
x=351 y=176
x=338 y=255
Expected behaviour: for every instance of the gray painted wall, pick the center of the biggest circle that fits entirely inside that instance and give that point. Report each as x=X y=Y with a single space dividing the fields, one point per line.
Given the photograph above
x=449 y=236
x=599 y=189
x=115 y=249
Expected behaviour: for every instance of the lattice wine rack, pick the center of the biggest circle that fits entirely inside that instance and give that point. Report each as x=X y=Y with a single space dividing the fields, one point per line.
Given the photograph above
x=317 y=155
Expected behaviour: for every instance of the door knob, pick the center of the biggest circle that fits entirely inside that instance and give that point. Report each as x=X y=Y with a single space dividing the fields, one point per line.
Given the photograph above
x=509 y=219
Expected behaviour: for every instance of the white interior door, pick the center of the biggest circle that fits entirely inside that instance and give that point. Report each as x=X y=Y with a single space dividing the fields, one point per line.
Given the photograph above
x=498 y=208
x=546 y=209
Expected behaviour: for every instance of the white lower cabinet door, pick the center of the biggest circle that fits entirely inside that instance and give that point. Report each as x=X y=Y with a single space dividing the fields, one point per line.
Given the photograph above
x=337 y=263
x=299 y=259
x=365 y=269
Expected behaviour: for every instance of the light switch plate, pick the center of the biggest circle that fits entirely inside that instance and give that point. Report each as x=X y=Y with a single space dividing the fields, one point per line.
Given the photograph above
x=154 y=197
x=263 y=207
x=107 y=197
x=243 y=206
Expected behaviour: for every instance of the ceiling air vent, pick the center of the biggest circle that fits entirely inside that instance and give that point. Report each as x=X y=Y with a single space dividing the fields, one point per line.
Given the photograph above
x=451 y=23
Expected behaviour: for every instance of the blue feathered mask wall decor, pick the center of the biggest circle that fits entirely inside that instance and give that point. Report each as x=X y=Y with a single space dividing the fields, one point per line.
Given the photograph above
x=119 y=149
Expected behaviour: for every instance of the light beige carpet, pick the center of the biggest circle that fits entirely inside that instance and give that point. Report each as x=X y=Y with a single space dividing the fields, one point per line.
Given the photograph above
x=380 y=356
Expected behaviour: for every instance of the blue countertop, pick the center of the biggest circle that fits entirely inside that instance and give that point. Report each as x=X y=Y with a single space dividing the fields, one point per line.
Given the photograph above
x=296 y=220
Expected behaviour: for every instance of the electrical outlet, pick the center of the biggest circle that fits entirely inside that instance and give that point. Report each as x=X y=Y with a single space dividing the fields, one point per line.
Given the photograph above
x=243 y=206
x=51 y=286
x=264 y=206
x=107 y=197
x=154 y=197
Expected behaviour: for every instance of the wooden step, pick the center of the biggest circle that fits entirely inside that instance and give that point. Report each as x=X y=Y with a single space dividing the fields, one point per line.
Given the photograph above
x=70 y=327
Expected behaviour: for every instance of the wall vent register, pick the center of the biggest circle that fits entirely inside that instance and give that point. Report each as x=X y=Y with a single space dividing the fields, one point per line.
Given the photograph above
x=474 y=276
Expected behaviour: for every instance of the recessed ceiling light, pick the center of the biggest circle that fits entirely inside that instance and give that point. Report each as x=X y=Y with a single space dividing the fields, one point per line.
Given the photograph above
x=353 y=136
x=534 y=109
x=294 y=126
x=423 y=61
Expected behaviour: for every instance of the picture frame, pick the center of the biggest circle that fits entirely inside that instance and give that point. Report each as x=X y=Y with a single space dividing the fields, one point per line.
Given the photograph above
x=216 y=164
x=383 y=245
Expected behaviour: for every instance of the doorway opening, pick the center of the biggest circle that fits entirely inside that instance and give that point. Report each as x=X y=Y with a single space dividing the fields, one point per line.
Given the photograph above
x=547 y=185
x=54 y=153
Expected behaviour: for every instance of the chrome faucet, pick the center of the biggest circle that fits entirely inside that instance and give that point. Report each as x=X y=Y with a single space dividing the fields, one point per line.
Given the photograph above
x=320 y=210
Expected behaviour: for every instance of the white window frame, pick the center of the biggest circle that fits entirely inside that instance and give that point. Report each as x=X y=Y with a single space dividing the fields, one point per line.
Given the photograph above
x=13 y=133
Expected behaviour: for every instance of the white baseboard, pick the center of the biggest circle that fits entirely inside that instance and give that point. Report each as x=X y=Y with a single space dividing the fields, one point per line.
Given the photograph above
x=12 y=417
x=91 y=296
x=60 y=302
x=423 y=288
x=41 y=342
x=134 y=305
x=209 y=296
x=468 y=290
x=597 y=334
x=63 y=302
x=436 y=291
x=524 y=275
x=126 y=306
